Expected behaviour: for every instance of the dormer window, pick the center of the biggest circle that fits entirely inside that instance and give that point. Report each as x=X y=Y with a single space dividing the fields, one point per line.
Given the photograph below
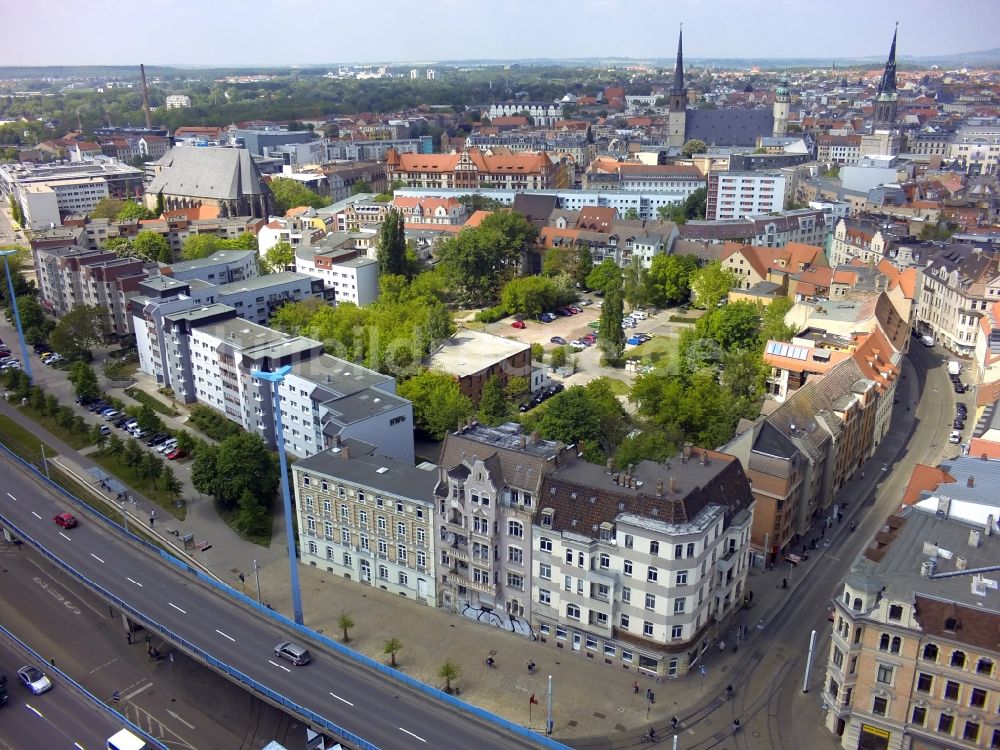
x=547 y=514
x=951 y=625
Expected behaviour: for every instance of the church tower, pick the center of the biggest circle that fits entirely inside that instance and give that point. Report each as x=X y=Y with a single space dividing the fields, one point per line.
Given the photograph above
x=781 y=101
x=677 y=117
x=885 y=97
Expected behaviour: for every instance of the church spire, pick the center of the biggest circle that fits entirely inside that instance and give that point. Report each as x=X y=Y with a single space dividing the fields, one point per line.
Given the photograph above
x=679 y=65
x=888 y=83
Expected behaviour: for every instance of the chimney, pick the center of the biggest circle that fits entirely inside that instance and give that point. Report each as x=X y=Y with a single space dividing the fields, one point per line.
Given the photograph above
x=673 y=484
x=345 y=452
x=974 y=538
x=686 y=453
x=458 y=427
x=614 y=477
x=961 y=563
x=970 y=482
x=535 y=437
x=659 y=488
x=610 y=465
x=989 y=525
x=629 y=469
x=336 y=441
x=703 y=458
x=145 y=95
x=522 y=440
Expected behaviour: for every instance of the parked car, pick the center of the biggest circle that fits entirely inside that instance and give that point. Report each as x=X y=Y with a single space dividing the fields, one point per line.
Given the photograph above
x=574 y=309
x=955 y=437
x=105 y=430
x=586 y=301
x=167 y=446
x=577 y=344
x=111 y=415
x=53 y=359
x=595 y=324
x=633 y=341
x=563 y=312
x=518 y=324
x=157 y=439
x=558 y=340
x=293 y=652
x=591 y=337
x=960 y=388
x=958 y=424
x=93 y=406
x=66 y=520
x=175 y=454
x=120 y=422
x=546 y=317
x=34 y=679
x=639 y=314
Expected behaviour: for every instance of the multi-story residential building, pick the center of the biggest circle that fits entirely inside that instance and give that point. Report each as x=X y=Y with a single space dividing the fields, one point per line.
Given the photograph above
x=176 y=101
x=753 y=265
x=474 y=169
x=976 y=148
x=488 y=489
x=958 y=285
x=371 y=150
x=913 y=655
x=208 y=355
x=223 y=267
x=735 y=195
x=40 y=206
x=472 y=358
x=109 y=285
x=368 y=518
x=641 y=567
x=677 y=179
x=929 y=143
x=263 y=141
x=345 y=179
x=294 y=230
x=431 y=211
x=347 y=273
x=804 y=225
x=840 y=149
x=365 y=213
x=541 y=113
x=858 y=239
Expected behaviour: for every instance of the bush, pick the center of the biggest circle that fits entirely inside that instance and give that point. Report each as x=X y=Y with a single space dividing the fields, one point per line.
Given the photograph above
x=491 y=314
x=153 y=403
x=213 y=424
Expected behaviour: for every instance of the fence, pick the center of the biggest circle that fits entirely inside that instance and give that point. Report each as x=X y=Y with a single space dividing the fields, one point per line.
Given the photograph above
x=278 y=618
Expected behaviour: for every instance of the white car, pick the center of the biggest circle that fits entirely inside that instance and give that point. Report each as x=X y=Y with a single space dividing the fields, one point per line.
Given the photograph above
x=577 y=344
x=639 y=314
x=167 y=446
x=34 y=679
x=955 y=437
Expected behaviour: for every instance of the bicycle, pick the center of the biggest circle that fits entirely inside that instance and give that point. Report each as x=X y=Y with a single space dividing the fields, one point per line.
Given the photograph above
x=652 y=738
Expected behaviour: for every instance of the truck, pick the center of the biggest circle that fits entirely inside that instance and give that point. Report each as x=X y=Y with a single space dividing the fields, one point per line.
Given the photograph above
x=125 y=740
x=954 y=368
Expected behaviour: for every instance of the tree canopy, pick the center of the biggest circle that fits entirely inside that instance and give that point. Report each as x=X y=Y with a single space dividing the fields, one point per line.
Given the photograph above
x=78 y=330
x=151 y=246
x=711 y=284
x=604 y=276
x=290 y=194
x=278 y=258
x=668 y=279
x=610 y=334
x=84 y=380
x=438 y=404
x=390 y=245
x=693 y=146
x=203 y=245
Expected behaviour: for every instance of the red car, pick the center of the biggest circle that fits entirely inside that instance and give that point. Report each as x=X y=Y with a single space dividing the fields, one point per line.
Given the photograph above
x=66 y=520
x=175 y=454
x=518 y=324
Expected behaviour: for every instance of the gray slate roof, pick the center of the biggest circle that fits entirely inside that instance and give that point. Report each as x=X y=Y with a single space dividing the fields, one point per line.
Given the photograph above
x=729 y=127
x=218 y=173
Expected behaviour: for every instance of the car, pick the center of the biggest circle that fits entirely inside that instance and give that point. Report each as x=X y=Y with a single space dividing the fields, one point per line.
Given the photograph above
x=66 y=520
x=554 y=389
x=139 y=434
x=639 y=314
x=634 y=341
x=97 y=406
x=546 y=317
x=105 y=410
x=53 y=359
x=111 y=415
x=591 y=337
x=12 y=365
x=558 y=340
x=518 y=324
x=175 y=454
x=563 y=312
x=293 y=652
x=120 y=422
x=105 y=430
x=34 y=679
x=167 y=446
x=157 y=439
x=959 y=388
x=574 y=309
x=45 y=354
x=955 y=437
x=586 y=301
x=525 y=406
x=577 y=344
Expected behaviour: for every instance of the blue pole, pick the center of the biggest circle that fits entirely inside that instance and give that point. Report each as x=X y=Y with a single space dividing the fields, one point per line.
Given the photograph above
x=25 y=359
x=275 y=379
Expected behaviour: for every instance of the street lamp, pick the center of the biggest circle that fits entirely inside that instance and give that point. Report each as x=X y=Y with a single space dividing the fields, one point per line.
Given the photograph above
x=25 y=359
x=256 y=573
x=275 y=378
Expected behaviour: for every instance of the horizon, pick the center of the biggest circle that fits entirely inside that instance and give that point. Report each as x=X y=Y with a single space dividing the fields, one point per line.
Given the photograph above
x=183 y=29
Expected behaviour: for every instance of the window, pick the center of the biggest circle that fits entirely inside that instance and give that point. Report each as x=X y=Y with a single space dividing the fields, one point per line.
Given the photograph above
x=561 y=632
x=545 y=571
x=880 y=706
x=690 y=550
x=897 y=643
x=647 y=628
x=884 y=674
x=978 y=698
x=345 y=536
x=677 y=631
x=652 y=574
x=515 y=555
x=971 y=732
x=837 y=658
x=572 y=612
x=679 y=604
x=381 y=524
x=654 y=548
x=682 y=577
x=624 y=622
x=569 y=557
x=545 y=544
x=401 y=530
x=895 y=612
x=626 y=595
x=984 y=666
x=883 y=642
x=958 y=659
x=605 y=561
x=650 y=601
x=628 y=568
x=924 y=682
x=919 y=715
x=544 y=596
x=383 y=572
x=951 y=690
x=930 y=652
x=516 y=529
x=945 y=723
x=515 y=581
x=629 y=541
x=678 y=551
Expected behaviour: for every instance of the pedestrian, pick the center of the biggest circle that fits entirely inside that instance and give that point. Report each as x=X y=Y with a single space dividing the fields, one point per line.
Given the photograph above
x=784 y=583
x=152 y=520
x=673 y=723
x=635 y=687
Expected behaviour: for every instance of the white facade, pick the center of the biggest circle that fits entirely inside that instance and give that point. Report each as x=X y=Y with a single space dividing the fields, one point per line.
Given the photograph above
x=977 y=148
x=176 y=101
x=735 y=195
x=41 y=207
x=541 y=113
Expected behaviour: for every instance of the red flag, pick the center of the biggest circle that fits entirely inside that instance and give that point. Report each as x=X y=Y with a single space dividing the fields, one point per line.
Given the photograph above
x=533 y=699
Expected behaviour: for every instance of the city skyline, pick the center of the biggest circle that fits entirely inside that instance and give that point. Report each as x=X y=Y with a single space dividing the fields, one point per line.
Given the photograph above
x=189 y=34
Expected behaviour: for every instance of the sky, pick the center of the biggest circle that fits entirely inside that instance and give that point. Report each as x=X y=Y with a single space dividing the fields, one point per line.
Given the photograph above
x=308 y=32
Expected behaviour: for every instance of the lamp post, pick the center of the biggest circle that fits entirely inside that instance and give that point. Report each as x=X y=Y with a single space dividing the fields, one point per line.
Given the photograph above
x=256 y=573
x=275 y=378
x=25 y=359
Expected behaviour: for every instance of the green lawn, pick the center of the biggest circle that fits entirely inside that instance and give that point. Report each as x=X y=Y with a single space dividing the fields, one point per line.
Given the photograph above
x=618 y=387
x=658 y=349
x=21 y=441
x=128 y=476
x=76 y=440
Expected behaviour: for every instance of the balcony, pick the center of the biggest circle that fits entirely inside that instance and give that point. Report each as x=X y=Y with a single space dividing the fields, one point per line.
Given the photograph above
x=461 y=576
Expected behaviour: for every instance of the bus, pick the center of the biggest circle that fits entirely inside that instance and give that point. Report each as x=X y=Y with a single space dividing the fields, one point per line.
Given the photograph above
x=125 y=740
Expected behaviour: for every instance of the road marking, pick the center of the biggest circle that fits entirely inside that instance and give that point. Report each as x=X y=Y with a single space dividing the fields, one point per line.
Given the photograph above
x=189 y=726
x=77 y=744
x=279 y=666
x=131 y=581
x=36 y=515
x=225 y=636
x=12 y=497
x=97 y=558
x=32 y=708
x=105 y=664
x=342 y=700
x=177 y=608
x=135 y=692
x=412 y=735
x=65 y=537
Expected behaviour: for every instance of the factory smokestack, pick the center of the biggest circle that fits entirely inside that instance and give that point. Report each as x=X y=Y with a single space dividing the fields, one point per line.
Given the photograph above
x=145 y=95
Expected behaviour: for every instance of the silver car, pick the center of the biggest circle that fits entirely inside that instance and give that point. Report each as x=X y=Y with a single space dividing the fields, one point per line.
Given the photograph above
x=293 y=652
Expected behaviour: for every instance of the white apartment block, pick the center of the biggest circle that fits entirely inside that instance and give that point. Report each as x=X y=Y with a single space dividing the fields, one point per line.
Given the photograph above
x=977 y=148
x=223 y=267
x=368 y=518
x=641 y=568
x=735 y=195
x=542 y=114
x=855 y=239
x=347 y=274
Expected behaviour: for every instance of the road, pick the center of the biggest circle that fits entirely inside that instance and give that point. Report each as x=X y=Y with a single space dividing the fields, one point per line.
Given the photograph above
x=157 y=696
x=383 y=712
x=60 y=718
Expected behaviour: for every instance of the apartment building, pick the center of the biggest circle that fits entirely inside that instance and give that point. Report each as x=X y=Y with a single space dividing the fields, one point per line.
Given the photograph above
x=913 y=655
x=641 y=568
x=543 y=114
x=976 y=148
x=374 y=150
x=472 y=358
x=488 y=490
x=208 y=355
x=368 y=518
x=804 y=225
x=754 y=265
x=431 y=211
x=223 y=267
x=680 y=180
x=346 y=272
x=858 y=239
x=736 y=195
x=110 y=284
x=958 y=285
x=473 y=169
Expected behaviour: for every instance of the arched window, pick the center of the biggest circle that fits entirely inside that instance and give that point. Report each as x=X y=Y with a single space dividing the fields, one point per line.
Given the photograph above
x=958 y=659
x=897 y=643
x=857 y=604
x=883 y=642
x=857 y=635
x=930 y=652
x=847 y=598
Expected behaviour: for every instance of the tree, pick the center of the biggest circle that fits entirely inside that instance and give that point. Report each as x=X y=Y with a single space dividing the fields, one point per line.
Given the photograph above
x=16 y=212
x=668 y=279
x=84 y=380
x=694 y=204
x=558 y=357
x=151 y=246
x=278 y=258
x=133 y=210
x=528 y=295
x=773 y=327
x=133 y=455
x=517 y=386
x=631 y=215
x=120 y=246
x=243 y=463
x=78 y=330
x=492 y=402
x=558 y=260
x=634 y=290
x=693 y=146
x=252 y=517
x=611 y=335
x=744 y=374
x=391 y=647
x=604 y=275
x=438 y=404
x=99 y=438
x=537 y=353
x=390 y=245
x=169 y=482
x=734 y=326
x=107 y=208
x=148 y=420
x=203 y=469
x=449 y=671
x=290 y=194
x=583 y=266
x=711 y=284
x=32 y=315
x=199 y=246
x=345 y=623
x=569 y=416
